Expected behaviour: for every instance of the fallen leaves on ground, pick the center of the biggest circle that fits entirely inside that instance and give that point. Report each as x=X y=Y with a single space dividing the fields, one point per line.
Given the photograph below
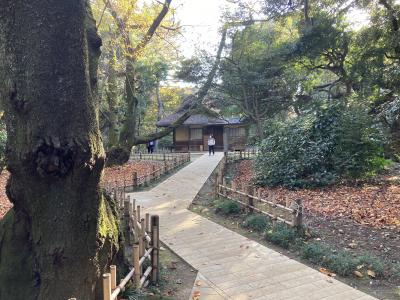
x=373 y=205
x=327 y=272
x=113 y=175
x=5 y=204
x=124 y=174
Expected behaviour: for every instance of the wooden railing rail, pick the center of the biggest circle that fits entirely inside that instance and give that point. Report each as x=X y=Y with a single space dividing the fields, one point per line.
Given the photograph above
x=143 y=235
x=120 y=188
x=249 y=197
x=238 y=155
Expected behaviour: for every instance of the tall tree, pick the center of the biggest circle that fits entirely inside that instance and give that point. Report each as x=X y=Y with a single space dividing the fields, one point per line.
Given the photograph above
x=62 y=231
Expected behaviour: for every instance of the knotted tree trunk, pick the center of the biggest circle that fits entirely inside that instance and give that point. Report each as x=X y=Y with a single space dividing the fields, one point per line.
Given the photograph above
x=61 y=232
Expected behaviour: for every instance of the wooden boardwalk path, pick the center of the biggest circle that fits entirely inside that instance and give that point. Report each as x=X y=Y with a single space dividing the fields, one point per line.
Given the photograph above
x=230 y=265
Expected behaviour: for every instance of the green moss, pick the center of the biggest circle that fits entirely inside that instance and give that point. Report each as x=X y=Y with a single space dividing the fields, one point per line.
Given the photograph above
x=108 y=220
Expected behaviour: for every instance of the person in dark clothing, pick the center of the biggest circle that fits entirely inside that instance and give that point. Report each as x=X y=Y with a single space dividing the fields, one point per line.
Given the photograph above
x=151 y=146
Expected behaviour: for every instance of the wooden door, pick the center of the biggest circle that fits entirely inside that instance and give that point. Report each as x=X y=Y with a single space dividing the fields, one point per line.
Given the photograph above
x=218 y=133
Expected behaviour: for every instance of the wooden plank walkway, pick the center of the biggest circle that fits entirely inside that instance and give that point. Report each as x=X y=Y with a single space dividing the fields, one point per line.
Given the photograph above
x=230 y=265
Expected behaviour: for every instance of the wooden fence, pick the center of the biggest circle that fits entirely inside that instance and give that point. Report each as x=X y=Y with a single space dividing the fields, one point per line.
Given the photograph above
x=160 y=156
x=118 y=189
x=142 y=233
x=251 y=199
x=238 y=155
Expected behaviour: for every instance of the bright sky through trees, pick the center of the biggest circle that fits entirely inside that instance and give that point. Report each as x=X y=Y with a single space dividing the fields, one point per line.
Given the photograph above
x=201 y=22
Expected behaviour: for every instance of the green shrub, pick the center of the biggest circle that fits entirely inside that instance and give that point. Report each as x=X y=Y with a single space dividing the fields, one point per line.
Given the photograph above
x=227 y=207
x=281 y=235
x=256 y=222
x=372 y=263
x=320 y=148
x=396 y=271
x=341 y=263
x=315 y=252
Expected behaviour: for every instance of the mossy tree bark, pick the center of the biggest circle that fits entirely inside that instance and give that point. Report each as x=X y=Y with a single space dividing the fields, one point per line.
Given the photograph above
x=61 y=232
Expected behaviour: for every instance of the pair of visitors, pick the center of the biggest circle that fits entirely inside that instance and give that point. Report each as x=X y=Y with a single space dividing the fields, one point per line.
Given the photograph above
x=211 y=145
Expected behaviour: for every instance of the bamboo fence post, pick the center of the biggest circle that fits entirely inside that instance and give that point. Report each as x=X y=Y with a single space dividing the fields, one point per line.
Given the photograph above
x=140 y=155
x=163 y=156
x=165 y=166
x=224 y=187
x=226 y=156
x=298 y=214
x=153 y=177
x=215 y=196
x=135 y=179
x=250 y=202
x=138 y=213
x=136 y=265
x=147 y=229
x=142 y=237
x=113 y=271
x=127 y=223
x=107 y=286
x=155 y=243
x=274 y=214
x=233 y=187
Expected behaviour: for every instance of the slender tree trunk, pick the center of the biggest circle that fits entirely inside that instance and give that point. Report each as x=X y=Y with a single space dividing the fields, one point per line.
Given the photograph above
x=160 y=109
x=307 y=12
x=160 y=104
x=62 y=231
x=112 y=100
x=126 y=137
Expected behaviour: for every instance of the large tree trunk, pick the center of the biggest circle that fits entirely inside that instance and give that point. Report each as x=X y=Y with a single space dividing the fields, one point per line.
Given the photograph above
x=61 y=232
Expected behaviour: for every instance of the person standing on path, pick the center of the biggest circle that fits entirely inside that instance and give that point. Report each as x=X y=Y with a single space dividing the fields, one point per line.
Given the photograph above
x=211 y=144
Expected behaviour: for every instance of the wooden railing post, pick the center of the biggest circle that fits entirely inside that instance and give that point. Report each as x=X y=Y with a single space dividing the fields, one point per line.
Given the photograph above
x=113 y=271
x=216 y=186
x=154 y=176
x=165 y=166
x=142 y=237
x=127 y=223
x=250 y=202
x=135 y=179
x=136 y=265
x=147 y=229
x=155 y=243
x=107 y=286
x=224 y=188
x=298 y=213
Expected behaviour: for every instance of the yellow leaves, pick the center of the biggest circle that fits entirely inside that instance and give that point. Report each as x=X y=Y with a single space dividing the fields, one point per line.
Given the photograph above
x=358 y=274
x=327 y=272
x=371 y=273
